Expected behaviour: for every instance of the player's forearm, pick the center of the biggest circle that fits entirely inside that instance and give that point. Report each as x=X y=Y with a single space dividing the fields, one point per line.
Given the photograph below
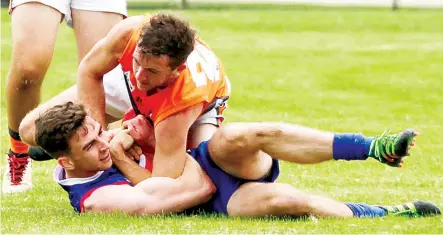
x=192 y=188
x=130 y=169
x=91 y=93
x=196 y=187
x=174 y=195
x=179 y=202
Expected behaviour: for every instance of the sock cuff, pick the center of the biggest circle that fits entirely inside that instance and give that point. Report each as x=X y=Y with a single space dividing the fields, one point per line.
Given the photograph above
x=361 y=210
x=38 y=154
x=15 y=135
x=350 y=146
x=352 y=207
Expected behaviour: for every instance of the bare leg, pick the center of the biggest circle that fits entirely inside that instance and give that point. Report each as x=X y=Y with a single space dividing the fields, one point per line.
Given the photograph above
x=27 y=127
x=244 y=149
x=199 y=133
x=276 y=199
x=87 y=35
x=87 y=32
x=34 y=30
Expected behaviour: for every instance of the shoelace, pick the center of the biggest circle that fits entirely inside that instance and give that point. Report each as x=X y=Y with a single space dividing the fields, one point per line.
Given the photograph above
x=17 y=167
x=387 y=143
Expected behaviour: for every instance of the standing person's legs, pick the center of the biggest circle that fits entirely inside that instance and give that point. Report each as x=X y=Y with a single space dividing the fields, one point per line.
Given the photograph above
x=34 y=31
x=92 y=20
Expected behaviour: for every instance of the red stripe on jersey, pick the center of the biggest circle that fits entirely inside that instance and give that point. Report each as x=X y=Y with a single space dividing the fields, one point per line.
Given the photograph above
x=88 y=194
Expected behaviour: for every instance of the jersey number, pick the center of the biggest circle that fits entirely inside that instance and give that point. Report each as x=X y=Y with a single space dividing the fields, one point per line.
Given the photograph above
x=203 y=65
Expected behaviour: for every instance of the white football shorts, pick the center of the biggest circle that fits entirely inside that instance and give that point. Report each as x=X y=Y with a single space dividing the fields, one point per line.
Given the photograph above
x=64 y=6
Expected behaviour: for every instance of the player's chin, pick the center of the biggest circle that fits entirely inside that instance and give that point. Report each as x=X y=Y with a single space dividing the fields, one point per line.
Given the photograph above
x=106 y=163
x=142 y=86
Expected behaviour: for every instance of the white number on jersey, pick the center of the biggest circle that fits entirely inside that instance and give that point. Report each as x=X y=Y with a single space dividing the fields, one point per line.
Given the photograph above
x=203 y=65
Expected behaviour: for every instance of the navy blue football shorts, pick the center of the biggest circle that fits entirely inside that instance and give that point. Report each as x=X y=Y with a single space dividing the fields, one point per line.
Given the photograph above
x=226 y=184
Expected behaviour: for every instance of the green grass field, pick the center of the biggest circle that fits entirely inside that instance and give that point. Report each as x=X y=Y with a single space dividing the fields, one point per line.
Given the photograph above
x=343 y=70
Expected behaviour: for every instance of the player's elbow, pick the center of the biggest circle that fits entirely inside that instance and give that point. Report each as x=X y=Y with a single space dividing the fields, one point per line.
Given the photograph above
x=85 y=73
x=207 y=191
x=204 y=187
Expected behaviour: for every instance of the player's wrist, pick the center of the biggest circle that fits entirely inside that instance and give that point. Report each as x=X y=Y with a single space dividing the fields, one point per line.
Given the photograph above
x=117 y=152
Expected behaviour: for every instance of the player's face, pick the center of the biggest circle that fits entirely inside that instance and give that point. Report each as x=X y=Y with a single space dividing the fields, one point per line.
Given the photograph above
x=151 y=72
x=90 y=147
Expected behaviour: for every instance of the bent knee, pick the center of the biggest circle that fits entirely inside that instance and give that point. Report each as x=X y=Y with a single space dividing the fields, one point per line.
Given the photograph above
x=234 y=136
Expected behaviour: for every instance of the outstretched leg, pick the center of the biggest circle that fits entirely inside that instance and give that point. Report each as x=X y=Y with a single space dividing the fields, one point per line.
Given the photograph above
x=277 y=199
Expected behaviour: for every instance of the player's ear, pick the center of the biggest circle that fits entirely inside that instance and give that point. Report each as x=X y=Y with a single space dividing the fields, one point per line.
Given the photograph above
x=66 y=162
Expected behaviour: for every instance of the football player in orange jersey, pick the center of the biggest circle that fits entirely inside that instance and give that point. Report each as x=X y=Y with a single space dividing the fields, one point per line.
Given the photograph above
x=173 y=79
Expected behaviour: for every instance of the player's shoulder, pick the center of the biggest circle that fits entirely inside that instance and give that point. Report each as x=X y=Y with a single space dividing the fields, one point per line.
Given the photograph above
x=123 y=30
x=130 y=24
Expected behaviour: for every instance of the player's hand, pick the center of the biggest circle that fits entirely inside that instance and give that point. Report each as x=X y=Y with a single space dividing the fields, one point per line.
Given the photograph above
x=134 y=152
x=122 y=144
x=141 y=131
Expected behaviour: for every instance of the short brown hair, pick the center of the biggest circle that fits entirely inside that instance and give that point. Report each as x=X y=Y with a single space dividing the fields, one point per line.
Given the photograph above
x=168 y=35
x=57 y=125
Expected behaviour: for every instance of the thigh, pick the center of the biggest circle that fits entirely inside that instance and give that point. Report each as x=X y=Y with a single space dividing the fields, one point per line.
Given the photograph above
x=27 y=126
x=61 y=6
x=90 y=26
x=34 y=31
x=199 y=133
x=70 y=94
x=113 y=6
x=268 y=199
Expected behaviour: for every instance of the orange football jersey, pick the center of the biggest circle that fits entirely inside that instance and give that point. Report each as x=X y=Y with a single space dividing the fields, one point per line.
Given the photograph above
x=202 y=80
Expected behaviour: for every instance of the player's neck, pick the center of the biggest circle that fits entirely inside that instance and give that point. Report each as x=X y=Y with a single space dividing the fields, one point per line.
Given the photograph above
x=79 y=174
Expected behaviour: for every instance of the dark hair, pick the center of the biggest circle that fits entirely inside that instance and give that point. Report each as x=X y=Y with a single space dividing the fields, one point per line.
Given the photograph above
x=168 y=35
x=57 y=125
